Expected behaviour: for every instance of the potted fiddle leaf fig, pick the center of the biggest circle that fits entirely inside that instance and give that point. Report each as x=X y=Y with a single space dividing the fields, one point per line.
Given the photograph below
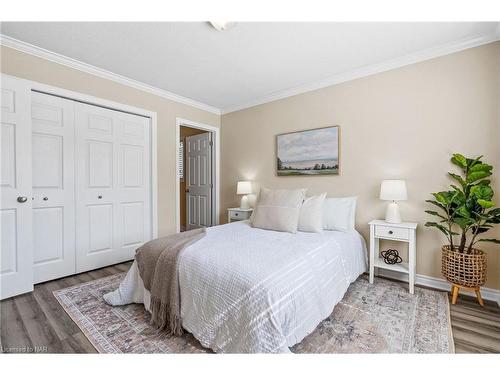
x=466 y=213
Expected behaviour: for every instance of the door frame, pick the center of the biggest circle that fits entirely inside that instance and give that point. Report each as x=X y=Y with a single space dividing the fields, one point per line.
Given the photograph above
x=216 y=166
x=109 y=104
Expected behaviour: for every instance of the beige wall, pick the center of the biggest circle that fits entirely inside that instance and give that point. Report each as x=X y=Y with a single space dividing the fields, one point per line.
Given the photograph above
x=404 y=123
x=29 y=67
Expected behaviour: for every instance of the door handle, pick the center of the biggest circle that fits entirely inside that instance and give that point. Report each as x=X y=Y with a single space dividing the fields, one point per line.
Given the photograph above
x=187 y=190
x=22 y=199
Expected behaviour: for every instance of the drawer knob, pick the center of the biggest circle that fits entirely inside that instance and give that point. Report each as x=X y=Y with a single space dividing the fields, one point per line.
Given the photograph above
x=391 y=232
x=235 y=214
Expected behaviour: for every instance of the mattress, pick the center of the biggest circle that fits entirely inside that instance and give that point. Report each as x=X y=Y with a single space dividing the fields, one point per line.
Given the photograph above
x=249 y=290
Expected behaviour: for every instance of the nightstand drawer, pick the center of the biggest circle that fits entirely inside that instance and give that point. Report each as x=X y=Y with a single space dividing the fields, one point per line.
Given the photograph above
x=239 y=215
x=392 y=232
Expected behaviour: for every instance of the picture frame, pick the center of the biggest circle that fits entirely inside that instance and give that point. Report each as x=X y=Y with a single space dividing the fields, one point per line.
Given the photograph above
x=311 y=152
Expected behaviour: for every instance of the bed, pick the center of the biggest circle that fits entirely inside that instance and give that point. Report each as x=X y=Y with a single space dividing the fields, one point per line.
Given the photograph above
x=249 y=290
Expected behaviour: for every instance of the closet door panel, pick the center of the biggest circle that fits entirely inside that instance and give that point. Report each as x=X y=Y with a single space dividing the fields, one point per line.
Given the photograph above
x=100 y=228
x=53 y=186
x=100 y=164
x=48 y=235
x=134 y=227
x=96 y=164
x=16 y=251
x=112 y=186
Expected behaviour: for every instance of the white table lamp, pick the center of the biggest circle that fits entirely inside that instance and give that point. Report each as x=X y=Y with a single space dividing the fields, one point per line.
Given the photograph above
x=393 y=190
x=244 y=188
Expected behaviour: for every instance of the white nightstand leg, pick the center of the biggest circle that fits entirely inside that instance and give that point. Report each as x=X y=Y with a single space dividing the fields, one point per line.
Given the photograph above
x=411 y=262
x=372 y=252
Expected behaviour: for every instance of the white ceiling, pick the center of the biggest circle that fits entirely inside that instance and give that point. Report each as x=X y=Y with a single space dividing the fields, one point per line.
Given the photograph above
x=250 y=63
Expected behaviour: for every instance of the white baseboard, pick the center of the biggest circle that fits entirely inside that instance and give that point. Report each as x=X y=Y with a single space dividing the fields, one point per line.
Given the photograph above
x=441 y=284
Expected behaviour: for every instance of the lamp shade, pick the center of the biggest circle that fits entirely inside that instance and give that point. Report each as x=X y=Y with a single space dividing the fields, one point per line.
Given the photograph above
x=393 y=190
x=244 y=187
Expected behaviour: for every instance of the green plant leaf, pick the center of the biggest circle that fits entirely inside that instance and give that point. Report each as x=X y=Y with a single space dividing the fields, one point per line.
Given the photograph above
x=463 y=211
x=459 y=160
x=481 y=167
x=481 y=229
x=493 y=216
x=475 y=176
x=437 y=204
x=481 y=192
x=445 y=198
x=441 y=198
x=463 y=222
x=443 y=229
x=459 y=179
x=436 y=214
x=485 y=204
x=484 y=182
x=495 y=211
x=494 y=240
x=472 y=162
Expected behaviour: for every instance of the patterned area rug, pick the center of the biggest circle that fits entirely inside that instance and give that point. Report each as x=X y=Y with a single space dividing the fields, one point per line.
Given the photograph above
x=378 y=318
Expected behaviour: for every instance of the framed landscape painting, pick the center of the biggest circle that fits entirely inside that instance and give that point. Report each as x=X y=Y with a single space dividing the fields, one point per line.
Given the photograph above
x=308 y=152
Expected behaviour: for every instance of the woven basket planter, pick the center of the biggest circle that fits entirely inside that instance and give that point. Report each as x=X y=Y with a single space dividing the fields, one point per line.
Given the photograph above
x=468 y=270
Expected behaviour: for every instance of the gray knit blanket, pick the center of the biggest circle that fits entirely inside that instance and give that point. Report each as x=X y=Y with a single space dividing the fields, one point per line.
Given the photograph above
x=158 y=263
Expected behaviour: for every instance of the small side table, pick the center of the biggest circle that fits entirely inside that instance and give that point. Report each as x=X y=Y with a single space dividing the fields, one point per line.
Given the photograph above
x=404 y=232
x=238 y=214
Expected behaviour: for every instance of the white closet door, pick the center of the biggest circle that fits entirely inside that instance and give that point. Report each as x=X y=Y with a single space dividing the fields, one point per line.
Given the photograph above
x=113 y=208
x=52 y=121
x=16 y=265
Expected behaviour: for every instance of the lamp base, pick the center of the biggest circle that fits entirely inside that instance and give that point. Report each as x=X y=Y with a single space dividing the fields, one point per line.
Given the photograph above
x=244 y=203
x=392 y=213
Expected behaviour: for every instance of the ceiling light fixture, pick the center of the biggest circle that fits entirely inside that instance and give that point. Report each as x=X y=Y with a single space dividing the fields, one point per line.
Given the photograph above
x=221 y=25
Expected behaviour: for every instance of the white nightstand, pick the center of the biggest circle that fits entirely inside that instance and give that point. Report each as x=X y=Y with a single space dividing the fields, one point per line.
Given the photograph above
x=404 y=232
x=238 y=214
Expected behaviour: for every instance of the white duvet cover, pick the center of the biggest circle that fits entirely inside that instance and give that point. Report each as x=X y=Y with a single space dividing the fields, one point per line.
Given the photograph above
x=249 y=290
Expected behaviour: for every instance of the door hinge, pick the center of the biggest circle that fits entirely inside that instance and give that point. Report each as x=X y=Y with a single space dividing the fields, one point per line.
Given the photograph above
x=211 y=143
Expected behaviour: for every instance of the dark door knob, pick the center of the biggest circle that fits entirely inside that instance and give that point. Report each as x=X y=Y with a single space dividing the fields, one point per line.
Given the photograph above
x=99 y=197
x=22 y=199
x=390 y=232
x=45 y=198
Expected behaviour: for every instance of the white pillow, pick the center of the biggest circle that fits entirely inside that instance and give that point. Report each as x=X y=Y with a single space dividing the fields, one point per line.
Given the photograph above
x=311 y=214
x=339 y=213
x=278 y=209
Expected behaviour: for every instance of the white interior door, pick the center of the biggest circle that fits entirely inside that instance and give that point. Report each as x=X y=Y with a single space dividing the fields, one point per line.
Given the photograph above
x=16 y=275
x=113 y=194
x=52 y=121
x=199 y=181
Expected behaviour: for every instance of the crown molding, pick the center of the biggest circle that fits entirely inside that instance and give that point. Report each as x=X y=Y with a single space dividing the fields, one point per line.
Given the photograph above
x=365 y=71
x=87 y=68
x=427 y=54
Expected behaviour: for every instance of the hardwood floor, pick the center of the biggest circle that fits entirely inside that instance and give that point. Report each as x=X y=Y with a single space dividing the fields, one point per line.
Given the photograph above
x=36 y=322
